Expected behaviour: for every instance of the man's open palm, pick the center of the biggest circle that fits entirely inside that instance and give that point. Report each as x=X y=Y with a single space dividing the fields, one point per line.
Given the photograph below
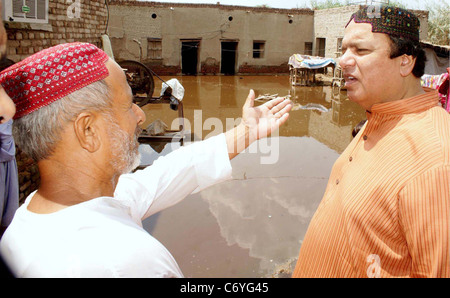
x=266 y=118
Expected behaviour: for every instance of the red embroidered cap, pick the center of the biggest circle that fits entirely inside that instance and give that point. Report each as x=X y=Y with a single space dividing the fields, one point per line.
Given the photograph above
x=51 y=74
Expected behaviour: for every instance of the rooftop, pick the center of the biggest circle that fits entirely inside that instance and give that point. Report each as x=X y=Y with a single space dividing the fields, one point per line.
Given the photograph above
x=306 y=11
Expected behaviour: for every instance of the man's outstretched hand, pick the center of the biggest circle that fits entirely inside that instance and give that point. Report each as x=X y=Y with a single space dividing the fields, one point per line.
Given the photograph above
x=264 y=119
x=257 y=122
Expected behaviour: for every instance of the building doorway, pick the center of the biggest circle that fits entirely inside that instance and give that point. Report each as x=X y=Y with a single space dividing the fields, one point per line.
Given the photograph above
x=320 y=47
x=189 y=57
x=228 y=59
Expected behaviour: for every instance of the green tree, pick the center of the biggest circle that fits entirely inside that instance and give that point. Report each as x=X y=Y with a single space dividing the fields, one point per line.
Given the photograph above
x=439 y=23
x=327 y=4
x=314 y=4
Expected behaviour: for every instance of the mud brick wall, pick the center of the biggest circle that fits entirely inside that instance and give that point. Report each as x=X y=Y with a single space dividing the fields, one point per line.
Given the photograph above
x=163 y=70
x=258 y=69
x=25 y=39
x=29 y=177
x=210 y=66
x=133 y=26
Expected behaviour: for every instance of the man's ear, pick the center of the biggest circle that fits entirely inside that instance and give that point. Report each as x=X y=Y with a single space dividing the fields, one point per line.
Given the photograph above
x=86 y=128
x=407 y=63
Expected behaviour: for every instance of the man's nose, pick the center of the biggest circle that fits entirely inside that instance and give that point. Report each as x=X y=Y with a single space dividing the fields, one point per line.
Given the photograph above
x=139 y=114
x=346 y=60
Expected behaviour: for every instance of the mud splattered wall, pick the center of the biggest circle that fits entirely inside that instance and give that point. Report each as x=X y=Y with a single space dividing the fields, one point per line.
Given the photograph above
x=211 y=32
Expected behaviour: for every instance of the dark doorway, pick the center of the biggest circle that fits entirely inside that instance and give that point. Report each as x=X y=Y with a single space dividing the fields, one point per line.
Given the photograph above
x=320 y=47
x=189 y=57
x=228 y=62
x=308 y=48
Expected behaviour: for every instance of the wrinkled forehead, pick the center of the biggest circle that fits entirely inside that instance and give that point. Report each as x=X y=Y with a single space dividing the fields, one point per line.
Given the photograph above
x=358 y=32
x=118 y=84
x=362 y=33
x=358 y=29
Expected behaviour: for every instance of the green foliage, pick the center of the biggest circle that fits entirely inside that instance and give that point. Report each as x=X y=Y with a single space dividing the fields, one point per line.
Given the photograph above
x=314 y=4
x=327 y=4
x=439 y=24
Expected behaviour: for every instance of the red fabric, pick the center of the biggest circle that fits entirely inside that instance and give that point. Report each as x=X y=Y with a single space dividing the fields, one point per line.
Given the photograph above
x=51 y=74
x=444 y=93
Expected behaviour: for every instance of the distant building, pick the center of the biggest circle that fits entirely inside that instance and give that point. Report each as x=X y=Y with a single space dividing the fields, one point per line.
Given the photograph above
x=174 y=38
x=212 y=39
x=209 y=39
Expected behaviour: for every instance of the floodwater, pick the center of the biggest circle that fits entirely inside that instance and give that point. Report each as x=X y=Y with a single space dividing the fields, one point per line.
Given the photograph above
x=254 y=224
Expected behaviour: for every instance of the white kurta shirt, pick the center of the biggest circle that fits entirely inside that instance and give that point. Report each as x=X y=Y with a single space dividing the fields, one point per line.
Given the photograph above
x=104 y=237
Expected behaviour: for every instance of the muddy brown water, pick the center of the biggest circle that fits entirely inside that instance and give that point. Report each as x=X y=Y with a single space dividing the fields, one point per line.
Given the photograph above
x=254 y=224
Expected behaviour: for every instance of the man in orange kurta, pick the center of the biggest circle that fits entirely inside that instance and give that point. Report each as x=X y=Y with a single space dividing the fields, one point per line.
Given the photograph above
x=386 y=209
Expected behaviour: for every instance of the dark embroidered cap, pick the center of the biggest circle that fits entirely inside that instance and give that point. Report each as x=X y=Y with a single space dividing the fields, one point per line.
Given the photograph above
x=390 y=20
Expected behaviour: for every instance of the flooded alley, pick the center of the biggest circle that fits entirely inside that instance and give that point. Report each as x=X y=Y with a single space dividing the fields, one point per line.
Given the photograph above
x=254 y=224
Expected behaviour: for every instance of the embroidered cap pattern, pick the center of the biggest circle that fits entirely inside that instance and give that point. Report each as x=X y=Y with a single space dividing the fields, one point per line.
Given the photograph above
x=51 y=74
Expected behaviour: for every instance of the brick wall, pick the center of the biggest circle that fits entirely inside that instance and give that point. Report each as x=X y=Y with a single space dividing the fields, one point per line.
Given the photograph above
x=264 y=69
x=25 y=39
x=29 y=177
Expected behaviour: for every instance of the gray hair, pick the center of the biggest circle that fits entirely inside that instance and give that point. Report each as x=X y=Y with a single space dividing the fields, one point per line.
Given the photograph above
x=38 y=133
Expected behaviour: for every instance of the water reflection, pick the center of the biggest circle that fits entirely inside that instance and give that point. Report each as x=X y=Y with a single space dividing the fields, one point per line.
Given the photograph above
x=253 y=225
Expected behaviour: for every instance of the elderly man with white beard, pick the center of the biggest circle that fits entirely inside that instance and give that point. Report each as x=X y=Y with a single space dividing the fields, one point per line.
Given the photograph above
x=76 y=118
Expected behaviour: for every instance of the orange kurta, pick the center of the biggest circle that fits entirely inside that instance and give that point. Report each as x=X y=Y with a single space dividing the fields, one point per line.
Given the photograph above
x=386 y=209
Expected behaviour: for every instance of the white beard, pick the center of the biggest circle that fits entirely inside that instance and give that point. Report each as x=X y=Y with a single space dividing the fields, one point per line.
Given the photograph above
x=124 y=149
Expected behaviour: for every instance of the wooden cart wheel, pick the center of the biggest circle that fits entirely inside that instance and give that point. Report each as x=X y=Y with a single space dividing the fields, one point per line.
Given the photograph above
x=139 y=78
